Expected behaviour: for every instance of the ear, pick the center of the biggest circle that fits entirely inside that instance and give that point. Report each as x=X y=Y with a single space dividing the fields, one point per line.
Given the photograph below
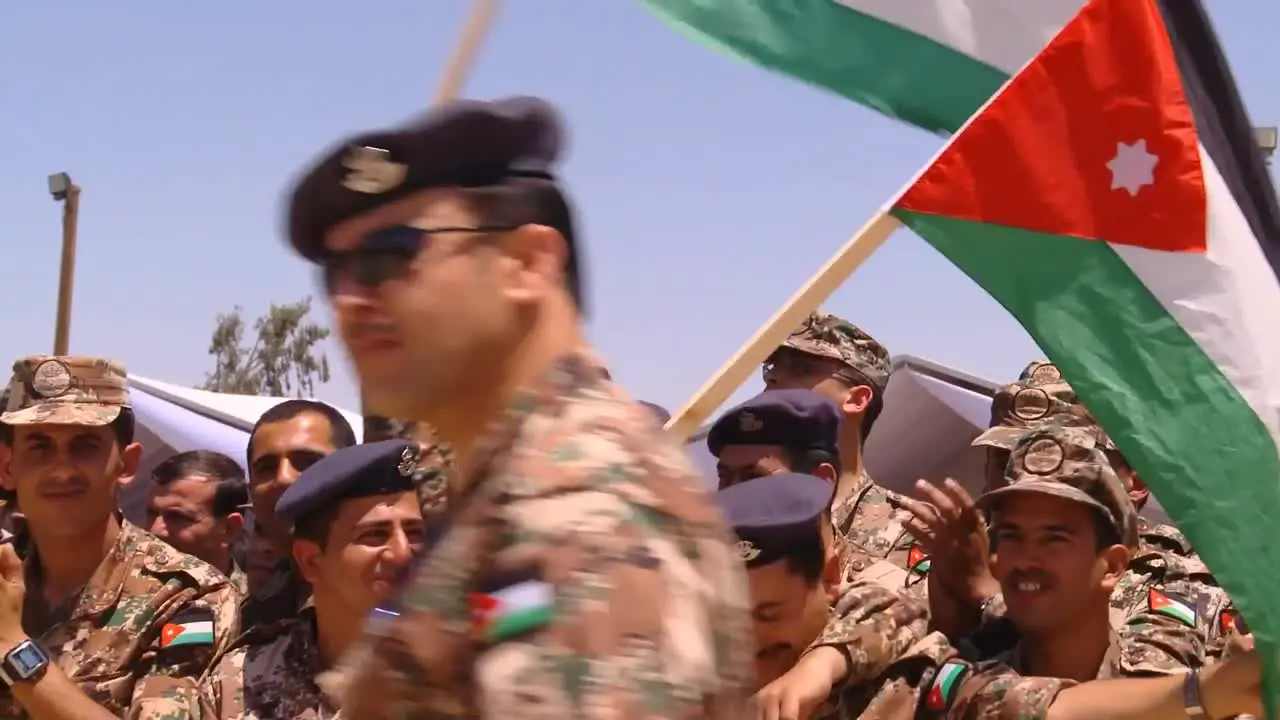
x=6 y=468
x=308 y=556
x=857 y=400
x=827 y=472
x=1115 y=562
x=130 y=459
x=539 y=253
x=233 y=525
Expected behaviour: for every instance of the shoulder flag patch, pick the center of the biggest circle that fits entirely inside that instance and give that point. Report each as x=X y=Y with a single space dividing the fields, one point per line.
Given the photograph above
x=918 y=561
x=1230 y=621
x=1169 y=605
x=512 y=609
x=945 y=684
x=193 y=626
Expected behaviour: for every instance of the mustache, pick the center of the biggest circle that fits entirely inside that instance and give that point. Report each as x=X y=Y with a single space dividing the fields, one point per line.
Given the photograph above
x=356 y=329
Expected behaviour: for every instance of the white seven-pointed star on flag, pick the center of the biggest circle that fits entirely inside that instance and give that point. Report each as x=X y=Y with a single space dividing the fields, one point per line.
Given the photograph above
x=1133 y=167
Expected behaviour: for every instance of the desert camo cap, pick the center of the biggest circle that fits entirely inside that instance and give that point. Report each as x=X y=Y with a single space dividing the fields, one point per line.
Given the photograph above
x=827 y=335
x=1039 y=398
x=65 y=390
x=1068 y=462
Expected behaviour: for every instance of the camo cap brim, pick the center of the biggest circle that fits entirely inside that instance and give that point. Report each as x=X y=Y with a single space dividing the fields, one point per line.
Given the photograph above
x=829 y=336
x=48 y=390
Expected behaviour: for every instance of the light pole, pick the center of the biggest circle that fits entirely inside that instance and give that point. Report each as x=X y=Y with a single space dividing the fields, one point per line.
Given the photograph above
x=68 y=193
x=1266 y=137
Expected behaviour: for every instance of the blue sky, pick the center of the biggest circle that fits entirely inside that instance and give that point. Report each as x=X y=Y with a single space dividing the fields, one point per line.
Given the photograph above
x=708 y=189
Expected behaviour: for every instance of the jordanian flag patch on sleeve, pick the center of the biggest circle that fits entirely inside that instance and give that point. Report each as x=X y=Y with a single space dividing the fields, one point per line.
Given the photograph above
x=943 y=690
x=511 y=608
x=193 y=626
x=1171 y=606
x=918 y=561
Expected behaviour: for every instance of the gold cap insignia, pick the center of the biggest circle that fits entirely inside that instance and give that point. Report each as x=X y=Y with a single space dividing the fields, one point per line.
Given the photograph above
x=1043 y=457
x=748 y=422
x=372 y=171
x=51 y=379
x=747 y=551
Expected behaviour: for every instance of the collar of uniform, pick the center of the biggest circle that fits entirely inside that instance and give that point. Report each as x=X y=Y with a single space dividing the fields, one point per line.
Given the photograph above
x=841 y=513
x=106 y=584
x=566 y=377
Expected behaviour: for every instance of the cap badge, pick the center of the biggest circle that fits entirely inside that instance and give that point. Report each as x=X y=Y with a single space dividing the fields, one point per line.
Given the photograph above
x=1046 y=372
x=409 y=460
x=1043 y=456
x=1031 y=404
x=747 y=551
x=372 y=171
x=747 y=422
x=51 y=379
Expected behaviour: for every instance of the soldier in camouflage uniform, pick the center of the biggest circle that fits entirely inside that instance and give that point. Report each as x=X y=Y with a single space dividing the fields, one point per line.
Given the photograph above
x=585 y=572
x=357 y=526
x=835 y=358
x=286 y=440
x=131 y=635
x=1059 y=477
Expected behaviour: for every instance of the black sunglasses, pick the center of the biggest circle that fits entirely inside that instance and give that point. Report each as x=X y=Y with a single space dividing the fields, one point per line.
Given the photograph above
x=386 y=253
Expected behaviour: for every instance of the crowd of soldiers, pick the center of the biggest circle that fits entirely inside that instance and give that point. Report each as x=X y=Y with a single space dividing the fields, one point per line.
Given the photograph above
x=548 y=550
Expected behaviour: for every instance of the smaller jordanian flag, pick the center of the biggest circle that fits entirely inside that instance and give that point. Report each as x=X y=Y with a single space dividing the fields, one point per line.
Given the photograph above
x=917 y=561
x=193 y=627
x=512 y=611
x=1163 y=604
x=944 y=686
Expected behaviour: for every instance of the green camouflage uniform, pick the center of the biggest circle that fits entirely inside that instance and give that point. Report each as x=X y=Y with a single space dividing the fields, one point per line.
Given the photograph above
x=134 y=638
x=635 y=595
x=871 y=519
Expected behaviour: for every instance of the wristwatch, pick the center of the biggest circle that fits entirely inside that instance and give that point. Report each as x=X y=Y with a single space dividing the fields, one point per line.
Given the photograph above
x=25 y=663
x=1191 y=696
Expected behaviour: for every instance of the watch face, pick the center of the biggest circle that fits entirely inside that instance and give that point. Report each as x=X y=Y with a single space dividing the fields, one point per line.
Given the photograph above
x=27 y=659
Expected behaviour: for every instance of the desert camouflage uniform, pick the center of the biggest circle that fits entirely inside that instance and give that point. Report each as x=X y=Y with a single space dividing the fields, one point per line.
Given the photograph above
x=431 y=478
x=870 y=519
x=117 y=638
x=873 y=626
x=1161 y=608
x=913 y=687
x=578 y=494
x=270 y=674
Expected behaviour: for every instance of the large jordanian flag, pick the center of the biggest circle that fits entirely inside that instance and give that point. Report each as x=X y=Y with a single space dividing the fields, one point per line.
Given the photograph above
x=1112 y=198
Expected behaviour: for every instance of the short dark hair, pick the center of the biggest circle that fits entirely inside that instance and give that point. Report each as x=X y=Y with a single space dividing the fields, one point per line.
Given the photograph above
x=533 y=201
x=341 y=434
x=231 y=492
x=806 y=460
x=124 y=427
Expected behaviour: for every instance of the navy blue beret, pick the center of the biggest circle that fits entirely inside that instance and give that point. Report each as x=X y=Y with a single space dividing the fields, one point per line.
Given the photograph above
x=467 y=143
x=774 y=514
x=380 y=468
x=791 y=418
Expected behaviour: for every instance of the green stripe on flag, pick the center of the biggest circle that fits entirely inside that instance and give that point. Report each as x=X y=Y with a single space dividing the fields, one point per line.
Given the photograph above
x=870 y=61
x=1148 y=382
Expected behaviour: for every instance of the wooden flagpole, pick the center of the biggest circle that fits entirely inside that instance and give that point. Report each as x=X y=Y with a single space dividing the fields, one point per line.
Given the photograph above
x=755 y=351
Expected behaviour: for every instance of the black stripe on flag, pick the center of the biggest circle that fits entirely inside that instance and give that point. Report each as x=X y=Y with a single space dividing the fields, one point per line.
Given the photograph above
x=1221 y=121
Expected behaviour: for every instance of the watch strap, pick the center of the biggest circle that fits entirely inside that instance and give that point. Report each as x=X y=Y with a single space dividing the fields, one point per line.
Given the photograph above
x=1191 y=696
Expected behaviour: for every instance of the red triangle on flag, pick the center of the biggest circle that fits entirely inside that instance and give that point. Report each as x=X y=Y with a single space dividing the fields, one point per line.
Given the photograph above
x=1158 y=600
x=935 y=699
x=1068 y=147
x=168 y=633
x=483 y=608
x=916 y=556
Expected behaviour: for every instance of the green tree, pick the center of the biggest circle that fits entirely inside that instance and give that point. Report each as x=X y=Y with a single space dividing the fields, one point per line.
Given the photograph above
x=284 y=357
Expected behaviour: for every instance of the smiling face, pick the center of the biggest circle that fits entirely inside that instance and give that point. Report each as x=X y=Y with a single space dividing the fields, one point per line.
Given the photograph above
x=67 y=476
x=368 y=546
x=1052 y=567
